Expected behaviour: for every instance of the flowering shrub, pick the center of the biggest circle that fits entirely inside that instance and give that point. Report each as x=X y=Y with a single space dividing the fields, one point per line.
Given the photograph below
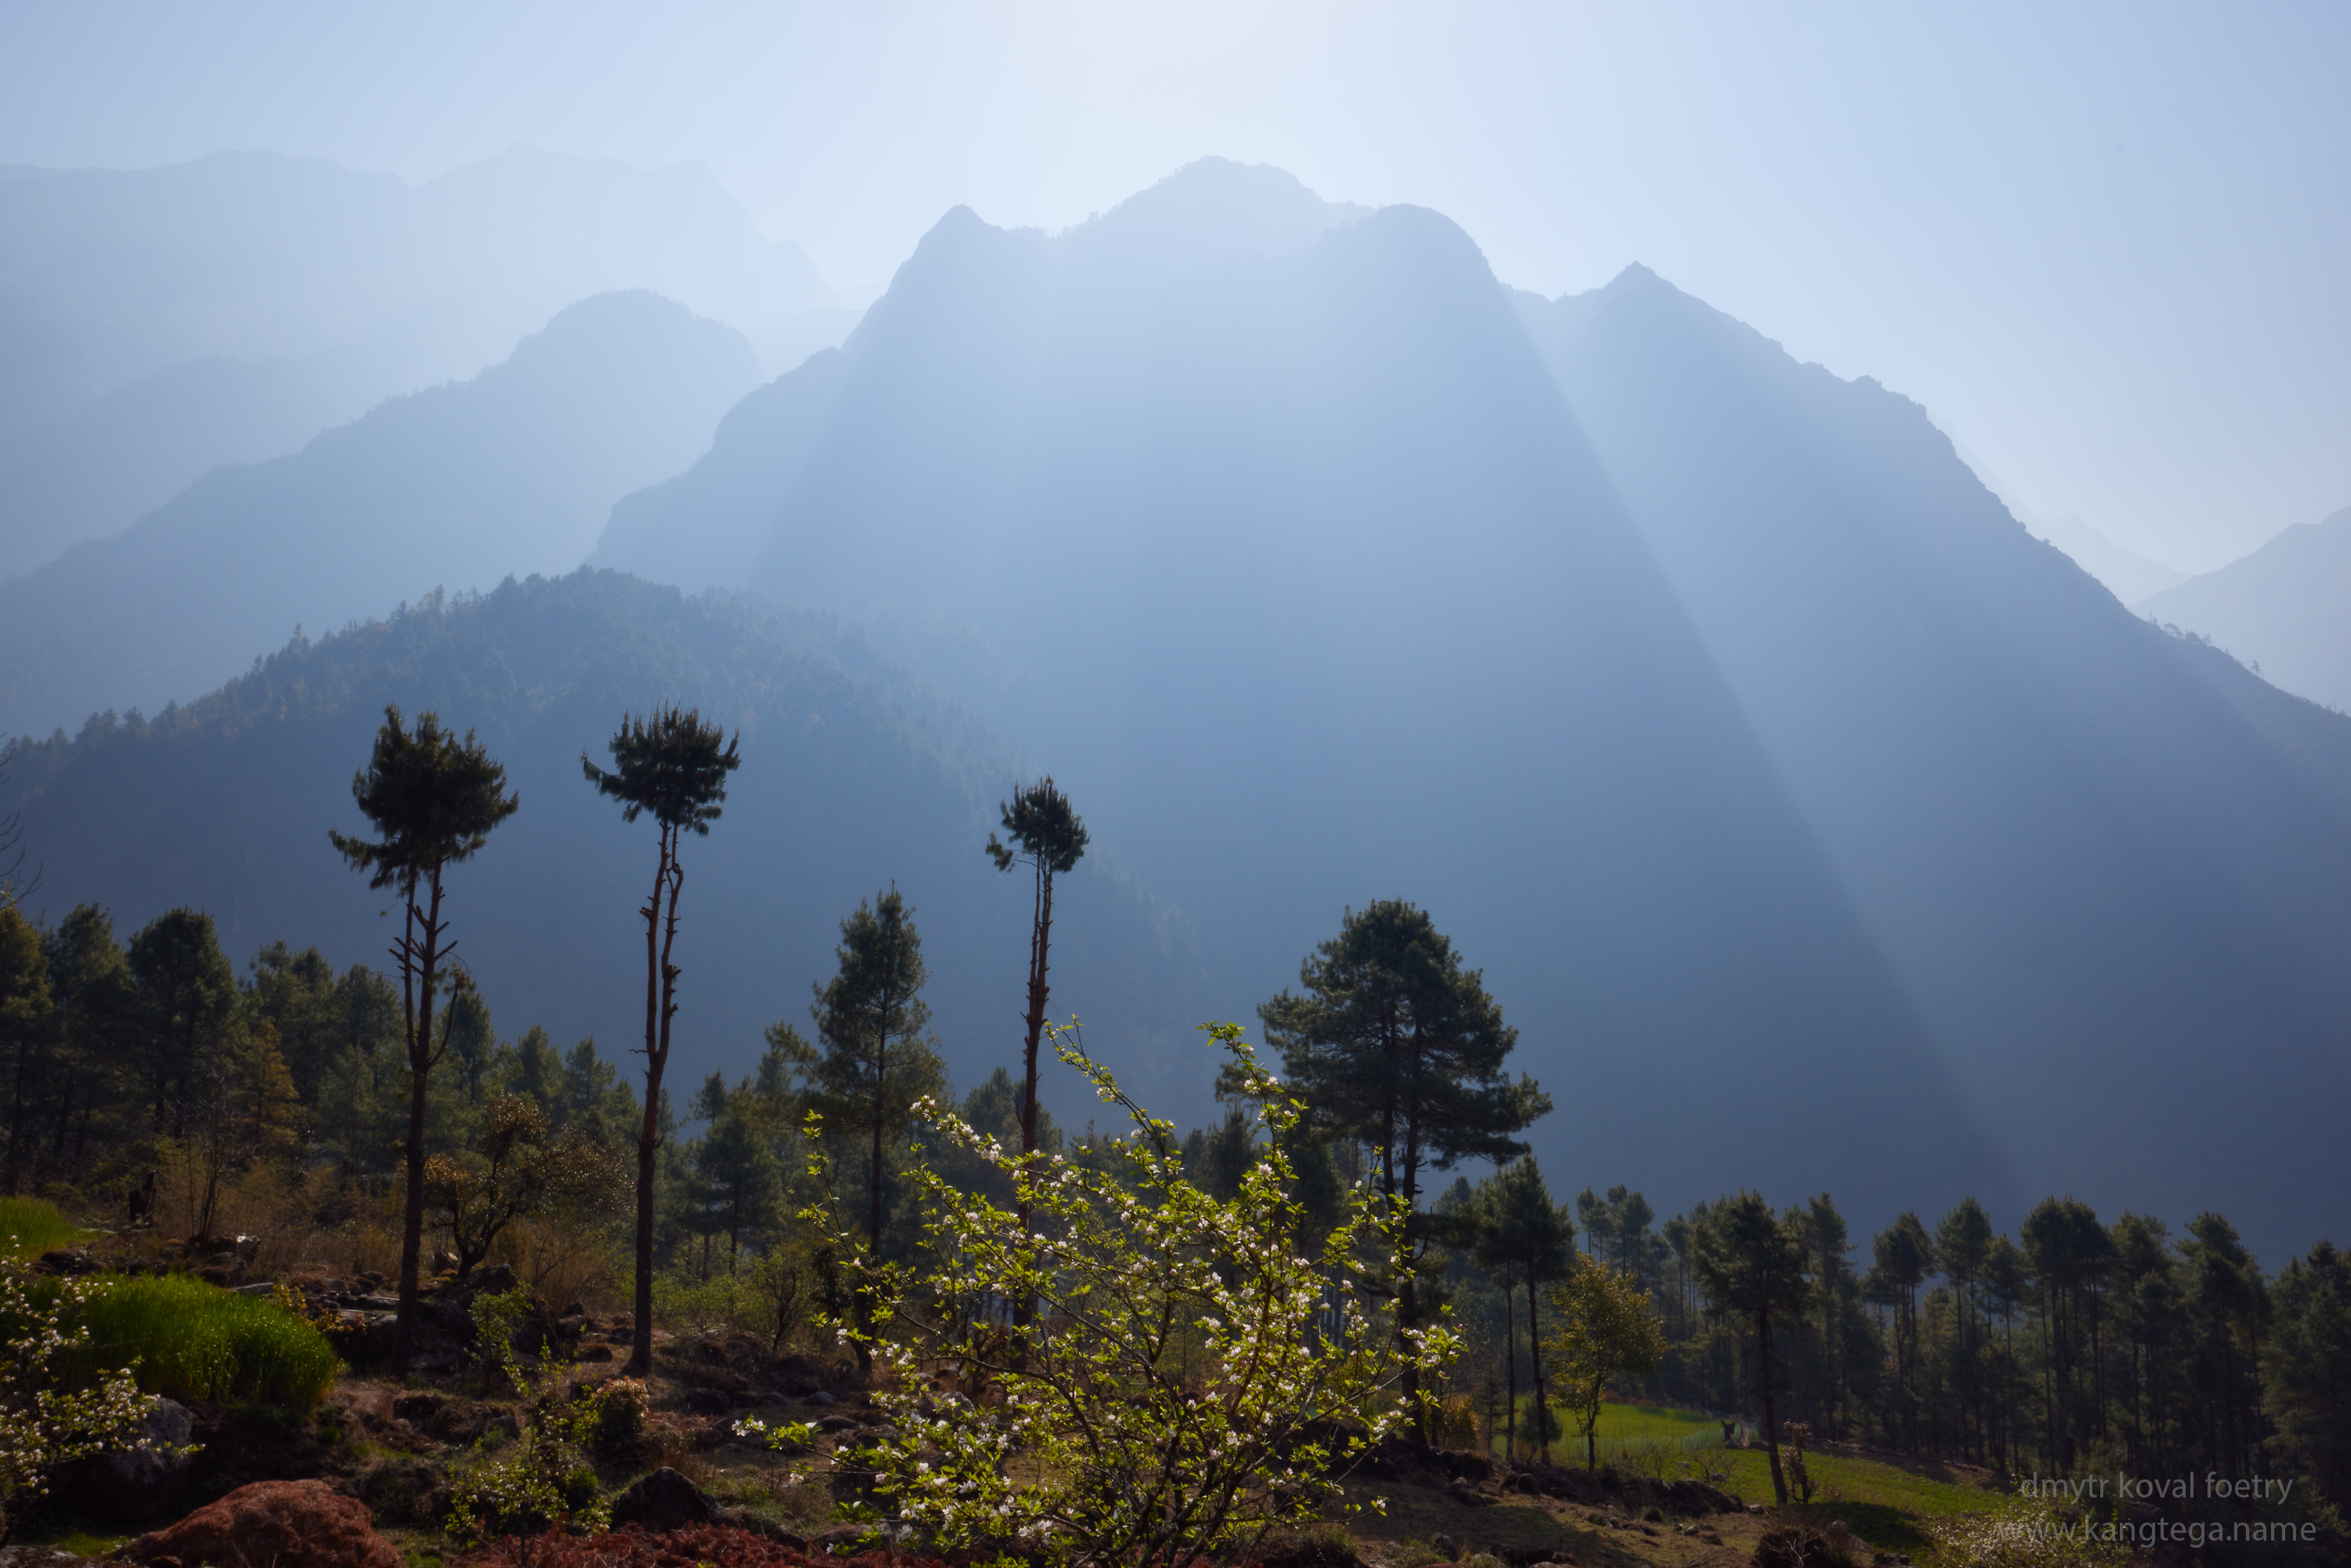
x=611 y=1414
x=784 y=1437
x=42 y=1425
x=2026 y=1533
x=1186 y=1382
x=541 y=1482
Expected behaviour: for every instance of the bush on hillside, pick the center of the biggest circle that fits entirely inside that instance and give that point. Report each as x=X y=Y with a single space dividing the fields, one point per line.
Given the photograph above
x=193 y=1341
x=33 y=1226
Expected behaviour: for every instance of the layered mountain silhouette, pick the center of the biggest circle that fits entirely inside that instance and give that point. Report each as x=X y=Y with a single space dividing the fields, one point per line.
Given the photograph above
x=1818 y=825
x=2285 y=608
x=459 y=486
x=157 y=323
x=853 y=776
x=2128 y=575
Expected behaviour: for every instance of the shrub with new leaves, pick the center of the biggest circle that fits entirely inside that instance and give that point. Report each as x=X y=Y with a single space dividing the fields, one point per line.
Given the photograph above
x=43 y=1422
x=541 y=1481
x=1188 y=1380
x=2027 y=1532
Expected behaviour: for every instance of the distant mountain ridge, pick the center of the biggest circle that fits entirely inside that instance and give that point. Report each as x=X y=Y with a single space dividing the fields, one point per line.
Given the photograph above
x=2128 y=575
x=157 y=323
x=455 y=486
x=2285 y=608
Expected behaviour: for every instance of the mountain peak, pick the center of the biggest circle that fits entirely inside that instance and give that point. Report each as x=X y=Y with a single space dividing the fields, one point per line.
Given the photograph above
x=1211 y=210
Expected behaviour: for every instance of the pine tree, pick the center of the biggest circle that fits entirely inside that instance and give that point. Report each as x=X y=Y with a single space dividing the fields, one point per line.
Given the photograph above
x=878 y=1057
x=675 y=767
x=29 y=1025
x=1903 y=1255
x=1963 y=1243
x=2307 y=1370
x=1396 y=1044
x=1048 y=838
x=737 y=1183
x=1524 y=1239
x=434 y=800
x=1752 y=1264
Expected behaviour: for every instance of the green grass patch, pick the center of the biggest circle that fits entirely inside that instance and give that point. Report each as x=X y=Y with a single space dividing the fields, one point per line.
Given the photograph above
x=1647 y=1423
x=80 y=1543
x=1923 y=1489
x=192 y=1340
x=32 y=1226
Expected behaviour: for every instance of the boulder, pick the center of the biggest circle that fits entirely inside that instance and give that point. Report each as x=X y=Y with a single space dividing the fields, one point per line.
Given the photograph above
x=665 y=1500
x=271 y=1524
x=139 y=1482
x=150 y=1461
x=494 y=1280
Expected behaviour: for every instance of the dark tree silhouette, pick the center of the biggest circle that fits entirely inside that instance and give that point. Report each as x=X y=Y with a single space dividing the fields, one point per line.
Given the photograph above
x=1902 y=1256
x=1753 y=1265
x=1047 y=837
x=435 y=801
x=673 y=766
x=1523 y=1237
x=15 y=885
x=878 y=1058
x=1396 y=1045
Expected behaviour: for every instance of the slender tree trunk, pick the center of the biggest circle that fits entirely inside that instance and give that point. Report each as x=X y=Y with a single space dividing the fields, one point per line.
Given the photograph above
x=660 y=982
x=1407 y=1291
x=1039 y=943
x=1039 y=947
x=17 y=1114
x=1510 y=1360
x=1767 y=1374
x=427 y=967
x=1534 y=1353
x=884 y=1004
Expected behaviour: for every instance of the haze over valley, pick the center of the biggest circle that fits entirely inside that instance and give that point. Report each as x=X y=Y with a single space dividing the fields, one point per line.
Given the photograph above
x=1293 y=786
x=1772 y=770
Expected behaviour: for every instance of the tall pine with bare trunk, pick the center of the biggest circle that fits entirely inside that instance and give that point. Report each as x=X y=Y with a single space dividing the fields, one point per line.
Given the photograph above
x=670 y=764
x=1048 y=838
x=435 y=801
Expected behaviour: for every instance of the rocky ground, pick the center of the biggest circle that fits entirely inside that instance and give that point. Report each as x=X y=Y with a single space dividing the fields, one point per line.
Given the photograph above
x=363 y=1481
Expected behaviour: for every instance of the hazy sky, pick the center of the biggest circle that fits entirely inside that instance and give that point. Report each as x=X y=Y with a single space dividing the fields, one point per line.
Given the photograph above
x=2108 y=247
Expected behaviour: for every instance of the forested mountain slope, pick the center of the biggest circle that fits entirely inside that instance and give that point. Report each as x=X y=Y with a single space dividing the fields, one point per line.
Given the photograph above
x=455 y=487
x=2110 y=872
x=1818 y=826
x=2286 y=607
x=853 y=777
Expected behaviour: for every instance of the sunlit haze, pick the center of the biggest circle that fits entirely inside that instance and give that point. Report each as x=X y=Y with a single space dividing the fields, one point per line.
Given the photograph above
x=2105 y=247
